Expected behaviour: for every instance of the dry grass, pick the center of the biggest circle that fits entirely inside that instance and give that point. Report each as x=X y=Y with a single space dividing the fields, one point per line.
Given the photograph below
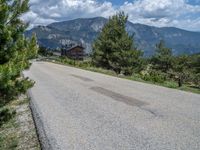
x=19 y=133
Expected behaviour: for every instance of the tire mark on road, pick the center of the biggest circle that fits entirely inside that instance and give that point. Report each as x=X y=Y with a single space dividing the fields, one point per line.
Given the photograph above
x=82 y=78
x=119 y=97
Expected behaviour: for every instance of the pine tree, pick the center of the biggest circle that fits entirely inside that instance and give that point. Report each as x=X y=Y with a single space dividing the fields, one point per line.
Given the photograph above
x=194 y=67
x=180 y=69
x=163 y=58
x=114 y=48
x=33 y=47
x=195 y=63
x=15 y=50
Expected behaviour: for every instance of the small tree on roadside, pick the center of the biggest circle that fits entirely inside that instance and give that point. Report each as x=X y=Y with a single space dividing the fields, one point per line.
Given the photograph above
x=163 y=58
x=194 y=64
x=194 y=61
x=43 y=51
x=180 y=70
x=33 y=47
x=15 y=50
x=114 y=48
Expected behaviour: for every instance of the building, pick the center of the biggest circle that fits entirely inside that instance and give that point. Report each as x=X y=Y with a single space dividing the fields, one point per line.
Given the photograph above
x=73 y=52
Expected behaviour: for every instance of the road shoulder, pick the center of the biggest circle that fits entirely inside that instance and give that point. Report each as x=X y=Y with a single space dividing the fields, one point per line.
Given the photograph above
x=19 y=132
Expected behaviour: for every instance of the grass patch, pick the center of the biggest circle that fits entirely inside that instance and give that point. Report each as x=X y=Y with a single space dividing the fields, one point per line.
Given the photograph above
x=12 y=133
x=8 y=135
x=190 y=89
x=21 y=102
x=171 y=84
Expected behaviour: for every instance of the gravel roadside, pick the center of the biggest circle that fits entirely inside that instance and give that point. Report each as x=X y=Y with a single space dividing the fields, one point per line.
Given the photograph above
x=19 y=133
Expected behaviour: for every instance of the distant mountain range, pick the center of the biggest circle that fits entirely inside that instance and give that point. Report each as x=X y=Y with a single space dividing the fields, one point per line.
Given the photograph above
x=85 y=31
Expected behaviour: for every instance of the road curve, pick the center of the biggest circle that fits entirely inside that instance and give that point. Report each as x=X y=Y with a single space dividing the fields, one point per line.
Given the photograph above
x=76 y=109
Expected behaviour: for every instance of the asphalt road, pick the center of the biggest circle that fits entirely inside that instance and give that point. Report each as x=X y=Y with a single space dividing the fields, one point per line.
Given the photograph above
x=81 y=110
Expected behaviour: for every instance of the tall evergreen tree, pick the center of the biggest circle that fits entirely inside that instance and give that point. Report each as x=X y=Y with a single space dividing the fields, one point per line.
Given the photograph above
x=114 y=48
x=163 y=58
x=180 y=70
x=194 y=65
x=15 y=50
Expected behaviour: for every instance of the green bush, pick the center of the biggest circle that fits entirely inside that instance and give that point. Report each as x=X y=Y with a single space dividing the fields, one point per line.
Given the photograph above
x=171 y=84
x=196 y=80
x=154 y=76
x=5 y=115
x=84 y=64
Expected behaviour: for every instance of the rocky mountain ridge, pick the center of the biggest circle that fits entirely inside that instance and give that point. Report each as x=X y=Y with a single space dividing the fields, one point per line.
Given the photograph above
x=86 y=30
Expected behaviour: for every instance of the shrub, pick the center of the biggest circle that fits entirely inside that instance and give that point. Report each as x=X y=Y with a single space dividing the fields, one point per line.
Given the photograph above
x=154 y=76
x=5 y=115
x=171 y=84
x=196 y=80
x=84 y=64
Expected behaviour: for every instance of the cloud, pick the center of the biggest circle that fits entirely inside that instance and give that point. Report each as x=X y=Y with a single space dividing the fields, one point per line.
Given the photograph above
x=60 y=10
x=183 y=14
x=177 y=13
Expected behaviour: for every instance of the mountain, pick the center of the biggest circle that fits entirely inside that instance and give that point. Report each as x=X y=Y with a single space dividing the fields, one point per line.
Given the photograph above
x=86 y=30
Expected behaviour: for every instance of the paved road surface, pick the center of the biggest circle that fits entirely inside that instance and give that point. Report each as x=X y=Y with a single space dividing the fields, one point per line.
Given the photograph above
x=82 y=110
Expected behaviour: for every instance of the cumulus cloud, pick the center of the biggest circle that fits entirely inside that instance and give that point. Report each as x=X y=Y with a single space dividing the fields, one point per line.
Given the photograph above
x=60 y=10
x=178 y=13
x=183 y=14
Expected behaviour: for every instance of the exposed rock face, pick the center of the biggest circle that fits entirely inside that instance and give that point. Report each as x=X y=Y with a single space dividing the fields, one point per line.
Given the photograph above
x=85 y=31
